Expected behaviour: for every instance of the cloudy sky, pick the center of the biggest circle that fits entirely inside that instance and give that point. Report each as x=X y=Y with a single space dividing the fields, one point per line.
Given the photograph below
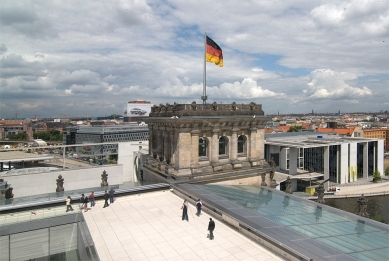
x=79 y=58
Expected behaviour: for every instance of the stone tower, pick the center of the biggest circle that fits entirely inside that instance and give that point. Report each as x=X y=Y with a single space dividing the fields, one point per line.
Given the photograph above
x=205 y=141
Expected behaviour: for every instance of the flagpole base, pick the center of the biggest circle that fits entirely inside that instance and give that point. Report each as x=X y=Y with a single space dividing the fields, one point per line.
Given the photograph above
x=204 y=98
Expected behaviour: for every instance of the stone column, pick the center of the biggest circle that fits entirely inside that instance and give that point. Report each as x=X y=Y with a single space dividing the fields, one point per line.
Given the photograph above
x=326 y=163
x=365 y=160
x=293 y=155
x=172 y=147
x=165 y=149
x=160 y=143
x=168 y=145
x=215 y=147
x=155 y=142
x=260 y=143
x=151 y=140
x=194 y=161
x=253 y=146
x=234 y=145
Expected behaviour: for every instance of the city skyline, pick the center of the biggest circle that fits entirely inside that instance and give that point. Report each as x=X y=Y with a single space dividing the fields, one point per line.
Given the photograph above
x=77 y=59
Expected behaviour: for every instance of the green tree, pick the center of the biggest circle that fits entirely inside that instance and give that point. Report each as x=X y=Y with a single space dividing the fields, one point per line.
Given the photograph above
x=295 y=128
x=376 y=176
x=387 y=171
x=19 y=136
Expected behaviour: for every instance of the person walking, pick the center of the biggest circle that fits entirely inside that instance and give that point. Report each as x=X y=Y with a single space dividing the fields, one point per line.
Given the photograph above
x=184 y=208
x=199 y=205
x=86 y=200
x=111 y=193
x=211 y=227
x=82 y=201
x=92 y=199
x=106 y=197
x=68 y=204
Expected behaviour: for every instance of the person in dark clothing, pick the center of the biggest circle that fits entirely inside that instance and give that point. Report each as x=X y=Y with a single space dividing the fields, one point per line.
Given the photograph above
x=184 y=208
x=106 y=197
x=211 y=227
x=82 y=201
x=111 y=193
x=199 y=205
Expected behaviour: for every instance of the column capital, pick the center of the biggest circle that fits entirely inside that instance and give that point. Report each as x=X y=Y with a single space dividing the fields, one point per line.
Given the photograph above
x=215 y=131
x=195 y=132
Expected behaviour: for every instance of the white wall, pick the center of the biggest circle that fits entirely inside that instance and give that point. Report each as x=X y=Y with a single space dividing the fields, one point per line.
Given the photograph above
x=126 y=157
x=41 y=183
x=380 y=157
x=343 y=172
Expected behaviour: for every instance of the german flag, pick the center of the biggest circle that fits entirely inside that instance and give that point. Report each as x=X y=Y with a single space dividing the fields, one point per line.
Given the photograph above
x=214 y=52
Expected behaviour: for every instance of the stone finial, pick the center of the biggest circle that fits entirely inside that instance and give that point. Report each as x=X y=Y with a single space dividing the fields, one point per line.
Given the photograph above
x=252 y=105
x=104 y=179
x=175 y=106
x=193 y=106
x=9 y=194
x=233 y=106
x=320 y=193
x=272 y=165
x=60 y=182
x=288 y=183
x=362 y=205
x=167 y=106
x=263 y=176
x=214 y=106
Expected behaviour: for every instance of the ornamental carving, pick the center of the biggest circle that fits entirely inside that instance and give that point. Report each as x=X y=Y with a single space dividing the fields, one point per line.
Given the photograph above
x=252 y=105
x=214 y=106
x=161 y=108
x=193 y=106
x=175 y=105
x=167 y=107
x=233 y=106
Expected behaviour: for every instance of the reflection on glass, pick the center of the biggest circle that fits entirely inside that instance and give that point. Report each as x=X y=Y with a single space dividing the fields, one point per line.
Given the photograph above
x=286 y=201
x=318 y=213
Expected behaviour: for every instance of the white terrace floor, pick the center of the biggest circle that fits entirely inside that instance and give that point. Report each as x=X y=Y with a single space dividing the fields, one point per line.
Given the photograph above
x=148 y=226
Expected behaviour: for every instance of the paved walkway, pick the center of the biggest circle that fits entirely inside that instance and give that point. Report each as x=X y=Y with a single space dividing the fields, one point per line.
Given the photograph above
x=148 y=226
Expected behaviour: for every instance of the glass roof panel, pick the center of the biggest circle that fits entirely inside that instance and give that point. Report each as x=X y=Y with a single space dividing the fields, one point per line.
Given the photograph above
x=359 y=237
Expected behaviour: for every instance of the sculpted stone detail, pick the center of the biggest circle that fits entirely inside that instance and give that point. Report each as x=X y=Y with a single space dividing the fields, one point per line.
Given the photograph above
x=60 y=181
x=161 y=108
x=320 y=193
x=252 y=105
x=214 y=106
x=288 y=183
x=9 y=194
x=154 y=108
x=362 y=205
x=233 y=106
x=167 y=107
x=104 y=179
x=193 y=106
x=273 y=165
x=263 y=176
x=175 y=105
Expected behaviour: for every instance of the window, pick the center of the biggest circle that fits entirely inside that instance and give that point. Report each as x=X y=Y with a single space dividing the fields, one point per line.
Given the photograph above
x=202 y=147
x=222 y=146
x=241 y=140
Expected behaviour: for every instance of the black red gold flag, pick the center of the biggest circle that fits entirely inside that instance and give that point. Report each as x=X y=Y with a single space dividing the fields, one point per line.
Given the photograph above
x=214 y=52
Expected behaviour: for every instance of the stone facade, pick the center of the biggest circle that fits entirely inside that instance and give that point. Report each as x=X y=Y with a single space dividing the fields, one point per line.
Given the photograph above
x=206 y=140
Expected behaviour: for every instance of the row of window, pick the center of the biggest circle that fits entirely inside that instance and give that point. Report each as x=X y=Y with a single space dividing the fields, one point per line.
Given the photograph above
x=223 y=146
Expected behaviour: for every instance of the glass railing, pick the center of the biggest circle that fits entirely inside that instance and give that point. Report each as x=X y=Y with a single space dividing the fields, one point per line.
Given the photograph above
x=46 y=234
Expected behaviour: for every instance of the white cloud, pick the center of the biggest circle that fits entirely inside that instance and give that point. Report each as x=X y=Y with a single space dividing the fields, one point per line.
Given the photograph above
x=109 y=53
x=328 y=84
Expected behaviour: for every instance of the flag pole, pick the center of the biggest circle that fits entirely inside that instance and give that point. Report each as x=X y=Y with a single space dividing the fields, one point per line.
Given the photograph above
x=204 y=97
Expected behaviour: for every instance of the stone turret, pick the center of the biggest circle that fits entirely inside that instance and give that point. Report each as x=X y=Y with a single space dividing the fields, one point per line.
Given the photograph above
x=203 y=140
